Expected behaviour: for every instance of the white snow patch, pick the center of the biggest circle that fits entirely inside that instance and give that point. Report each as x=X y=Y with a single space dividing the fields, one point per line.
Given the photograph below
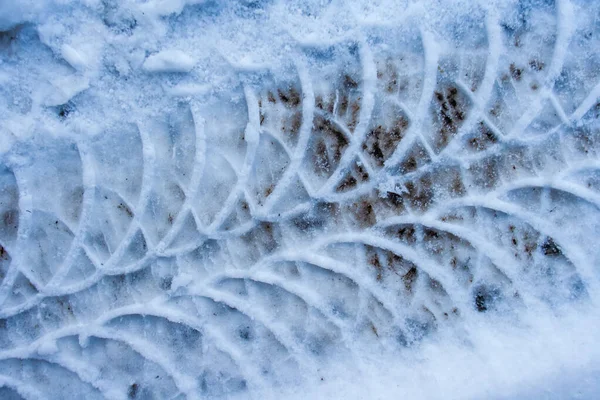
x=73 y=57
x=65 y=88
x=554 y=358
x=169 y=61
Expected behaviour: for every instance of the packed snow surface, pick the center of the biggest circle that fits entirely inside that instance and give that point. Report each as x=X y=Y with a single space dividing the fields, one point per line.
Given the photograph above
x=299 y=199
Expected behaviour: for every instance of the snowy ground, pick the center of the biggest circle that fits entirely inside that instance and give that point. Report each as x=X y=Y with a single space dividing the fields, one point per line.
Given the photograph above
x=315 y=199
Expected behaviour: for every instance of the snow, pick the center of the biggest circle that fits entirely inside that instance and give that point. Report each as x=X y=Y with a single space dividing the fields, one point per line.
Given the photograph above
x=305 y=199
x=169 y=61
x=73 y=57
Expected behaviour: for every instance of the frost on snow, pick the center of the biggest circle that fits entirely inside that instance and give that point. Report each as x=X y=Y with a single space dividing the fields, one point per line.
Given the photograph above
x=379 y=199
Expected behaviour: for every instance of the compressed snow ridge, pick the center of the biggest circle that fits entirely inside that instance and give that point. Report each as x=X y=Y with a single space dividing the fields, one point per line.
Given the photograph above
x=169 y=61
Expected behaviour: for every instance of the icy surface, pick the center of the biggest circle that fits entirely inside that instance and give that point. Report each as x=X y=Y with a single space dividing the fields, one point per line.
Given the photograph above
x=271 y=199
